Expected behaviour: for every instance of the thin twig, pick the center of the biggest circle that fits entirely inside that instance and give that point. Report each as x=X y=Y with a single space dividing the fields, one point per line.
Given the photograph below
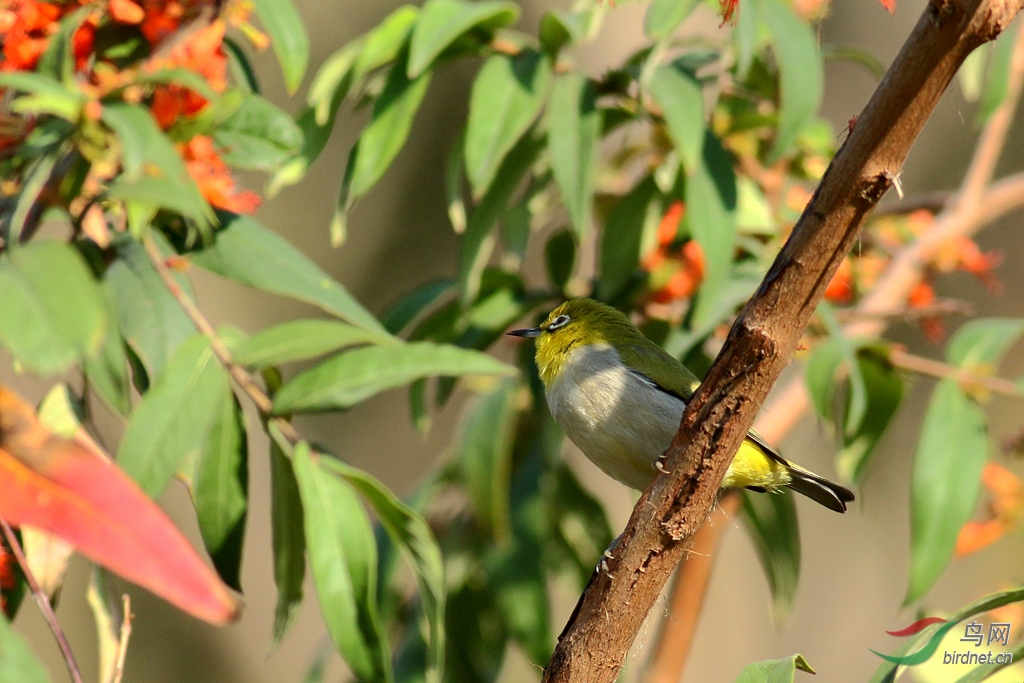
x=43 y=602
x=122 y=645
x=966 y=378
x=239 y=374
x=941 y=307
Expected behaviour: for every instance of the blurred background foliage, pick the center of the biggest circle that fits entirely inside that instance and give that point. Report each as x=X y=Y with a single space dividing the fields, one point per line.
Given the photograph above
x=494 y=158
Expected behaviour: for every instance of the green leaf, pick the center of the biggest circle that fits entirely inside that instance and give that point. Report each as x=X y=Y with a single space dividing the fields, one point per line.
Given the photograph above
x=622 y=237
x=299 y=340
x=582 y=523
x=971 y=73
x=52 y=313
x=883 y=392
x=171 y=423
x=711 y=217
x=150 y=319
x=242 y=73
x=288 y=35
x=350 y=377
x=574 y=128
x=801 y=74
x=258 y=135
x=63 y=101
x=388 y=129
x=107 y=370
x=560 y=256
x=664 y=16
x=507 y=96
x=775 y=670
x=406 y=310
x=997 y=81
x=383 y=44
x=287 y=540
x=981 y=344
x=485 y=456
x=985 y=671
x=410 y=532
x=857 y=396
x=441 y=22
x=945 y=484
x=163 y=180
x=221 y=487
x=679 y=95
x=771 y=521
x=37 y=177
x=249 y=253
x=558 y=28
x=343 y=557
x=479 y=239
x=18 y=664
x=886 y=673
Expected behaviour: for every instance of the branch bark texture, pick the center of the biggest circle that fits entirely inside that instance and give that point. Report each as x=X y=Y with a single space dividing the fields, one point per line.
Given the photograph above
x=764 y=337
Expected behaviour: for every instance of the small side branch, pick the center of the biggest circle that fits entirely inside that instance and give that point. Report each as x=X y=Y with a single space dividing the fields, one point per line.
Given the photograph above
x=43 y=602
x=239 y=374
x=967 y=379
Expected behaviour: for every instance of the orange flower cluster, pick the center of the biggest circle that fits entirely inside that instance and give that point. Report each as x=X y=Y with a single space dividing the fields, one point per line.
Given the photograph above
x=675 y=271
x=213 y=177
x=1005 y=510
x=858 y=273
x=26 y=27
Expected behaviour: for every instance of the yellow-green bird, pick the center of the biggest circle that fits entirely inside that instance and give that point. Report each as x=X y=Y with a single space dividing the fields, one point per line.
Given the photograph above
x=619 y=397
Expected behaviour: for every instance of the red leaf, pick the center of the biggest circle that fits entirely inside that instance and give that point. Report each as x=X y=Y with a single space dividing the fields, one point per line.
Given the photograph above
x=71 y=491
x=889 y=5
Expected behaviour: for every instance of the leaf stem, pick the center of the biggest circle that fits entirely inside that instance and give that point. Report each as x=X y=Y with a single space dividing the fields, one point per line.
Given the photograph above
x=239 y=374
x=43 y=602
x=122 y=645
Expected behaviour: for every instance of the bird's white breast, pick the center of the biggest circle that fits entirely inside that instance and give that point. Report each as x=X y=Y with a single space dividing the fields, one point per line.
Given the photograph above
x=617 y=418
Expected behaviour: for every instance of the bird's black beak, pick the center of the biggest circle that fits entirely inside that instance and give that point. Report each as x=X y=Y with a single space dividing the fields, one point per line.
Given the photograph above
x=526 y=333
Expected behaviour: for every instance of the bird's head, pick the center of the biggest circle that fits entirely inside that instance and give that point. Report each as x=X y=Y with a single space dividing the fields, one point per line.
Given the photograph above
x=574 y=324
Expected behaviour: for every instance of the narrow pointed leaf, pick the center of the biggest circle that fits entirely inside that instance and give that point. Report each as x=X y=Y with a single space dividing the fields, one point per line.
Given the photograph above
x=299 y=340
x=288 y=541
x=945 y=483
x=385 y=135
x=352 y=376
x=679 y=95
x=258 y=135
x=149 y=318
x=485 y=457
x=249 y=253
x=288 y=36
x=66 y=489
x=221 y=488
x=51 y=311
x=711 y=199
x=507 y=96
x=170 y=425
x=343 y=557
x=411 y=533
x=775 y=670
x=622 y=237
x=772 y=524
x=884 y=392
x=981 y=344
x=442 y=21
x=801 y=75
x=574 y=128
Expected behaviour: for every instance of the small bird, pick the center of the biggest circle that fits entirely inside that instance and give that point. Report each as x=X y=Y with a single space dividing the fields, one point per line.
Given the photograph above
x=619 y=397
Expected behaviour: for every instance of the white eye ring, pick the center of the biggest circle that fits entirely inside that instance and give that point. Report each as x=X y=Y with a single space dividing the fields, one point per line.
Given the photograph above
x=558 y=322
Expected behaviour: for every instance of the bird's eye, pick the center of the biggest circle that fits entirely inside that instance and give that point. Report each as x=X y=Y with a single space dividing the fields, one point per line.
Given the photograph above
x=558 y=322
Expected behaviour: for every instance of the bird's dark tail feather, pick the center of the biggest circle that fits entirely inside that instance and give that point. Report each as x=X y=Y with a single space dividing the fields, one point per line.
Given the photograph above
x=819 y=489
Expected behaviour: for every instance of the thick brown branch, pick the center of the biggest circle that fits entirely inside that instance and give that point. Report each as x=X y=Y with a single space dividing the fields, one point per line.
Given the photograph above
x=765 y=335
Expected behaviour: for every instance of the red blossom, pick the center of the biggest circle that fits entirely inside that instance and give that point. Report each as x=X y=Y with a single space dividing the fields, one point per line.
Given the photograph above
x=214 y=179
